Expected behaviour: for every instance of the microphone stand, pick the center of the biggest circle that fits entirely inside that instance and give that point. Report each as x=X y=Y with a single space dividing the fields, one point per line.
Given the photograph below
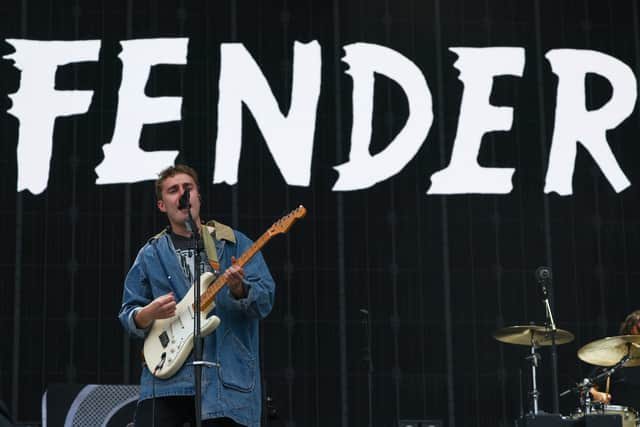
x=194 y=229
x=554 y=362
x=544 y=278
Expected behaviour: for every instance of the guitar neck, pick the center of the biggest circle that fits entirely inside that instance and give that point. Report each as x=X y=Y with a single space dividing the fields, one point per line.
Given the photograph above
x=209 y=295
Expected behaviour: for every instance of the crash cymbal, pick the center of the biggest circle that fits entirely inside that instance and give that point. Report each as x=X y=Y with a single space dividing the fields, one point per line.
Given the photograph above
x=531 y=334
x=610 y=350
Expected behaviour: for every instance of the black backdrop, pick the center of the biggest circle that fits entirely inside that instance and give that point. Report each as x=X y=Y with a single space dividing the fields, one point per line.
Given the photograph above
x=437 y=274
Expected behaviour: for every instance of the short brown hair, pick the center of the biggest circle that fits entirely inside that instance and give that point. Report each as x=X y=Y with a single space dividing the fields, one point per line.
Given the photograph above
x=172 y=171
x=631 y=320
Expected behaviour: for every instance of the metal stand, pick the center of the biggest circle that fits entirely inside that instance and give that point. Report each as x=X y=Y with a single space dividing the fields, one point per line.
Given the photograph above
x=534 y=394
x=543 y=275
x=586 y=399
x=198 y=363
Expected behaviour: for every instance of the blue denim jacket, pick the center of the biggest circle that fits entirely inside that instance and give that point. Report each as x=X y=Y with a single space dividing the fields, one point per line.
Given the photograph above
x=233 y=388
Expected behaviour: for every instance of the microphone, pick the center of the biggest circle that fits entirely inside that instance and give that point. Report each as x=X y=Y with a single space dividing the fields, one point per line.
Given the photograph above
x=184 y=202
x=543 y=276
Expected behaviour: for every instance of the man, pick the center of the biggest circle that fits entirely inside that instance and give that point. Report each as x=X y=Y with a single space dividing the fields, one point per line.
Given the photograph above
x=161 y=275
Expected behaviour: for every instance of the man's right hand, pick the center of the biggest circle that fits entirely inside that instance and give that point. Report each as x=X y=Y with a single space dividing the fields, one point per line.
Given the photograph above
x=600 y=396
x=162 y=307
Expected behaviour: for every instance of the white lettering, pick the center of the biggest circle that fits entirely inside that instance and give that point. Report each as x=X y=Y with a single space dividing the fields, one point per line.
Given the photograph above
x=478 y=67
x=364 y=170
x=124 y=160
x=36 y=104
x=574 y=123
x=290 y=137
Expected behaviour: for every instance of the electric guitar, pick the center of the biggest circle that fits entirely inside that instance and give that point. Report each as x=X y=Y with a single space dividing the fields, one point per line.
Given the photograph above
x=170 y=341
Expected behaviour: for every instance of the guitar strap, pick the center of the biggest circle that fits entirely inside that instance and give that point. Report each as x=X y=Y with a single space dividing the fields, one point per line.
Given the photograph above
x=222 y=232
x=210 y=247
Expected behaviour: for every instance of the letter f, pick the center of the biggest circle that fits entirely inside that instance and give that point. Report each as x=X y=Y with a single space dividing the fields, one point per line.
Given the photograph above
x=37 y=103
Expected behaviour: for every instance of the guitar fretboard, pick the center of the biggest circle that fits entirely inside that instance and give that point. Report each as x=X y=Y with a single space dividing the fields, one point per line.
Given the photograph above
x=209 y=295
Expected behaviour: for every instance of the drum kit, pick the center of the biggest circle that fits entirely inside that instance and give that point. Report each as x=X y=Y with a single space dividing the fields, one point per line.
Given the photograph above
x=610 y=354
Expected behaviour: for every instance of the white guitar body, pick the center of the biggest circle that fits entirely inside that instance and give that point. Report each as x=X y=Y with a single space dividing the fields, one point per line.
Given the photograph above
x=172 y=339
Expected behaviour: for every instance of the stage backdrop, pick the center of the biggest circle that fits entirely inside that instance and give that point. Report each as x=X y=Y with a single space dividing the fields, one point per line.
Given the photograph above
x=444 y=151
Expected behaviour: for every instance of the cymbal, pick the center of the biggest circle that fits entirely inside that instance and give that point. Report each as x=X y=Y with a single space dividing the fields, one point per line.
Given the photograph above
x=610 y=350
x=531 y=334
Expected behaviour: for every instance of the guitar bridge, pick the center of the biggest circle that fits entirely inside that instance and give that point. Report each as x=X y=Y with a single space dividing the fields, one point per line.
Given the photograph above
x=164 y=339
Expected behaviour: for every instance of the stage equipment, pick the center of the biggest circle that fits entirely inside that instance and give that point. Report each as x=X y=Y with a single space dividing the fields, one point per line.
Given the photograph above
x=534 y=336
x=5 y=417
x=608 y=415
x=556 y=420
x=610 y=351
x=544 y=279
x=198 y=363
x=628 y=415
x=77 y=405
x=527 y=334
x=420 y=423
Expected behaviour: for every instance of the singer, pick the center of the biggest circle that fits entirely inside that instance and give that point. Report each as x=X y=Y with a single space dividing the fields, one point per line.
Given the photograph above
x=161 y=275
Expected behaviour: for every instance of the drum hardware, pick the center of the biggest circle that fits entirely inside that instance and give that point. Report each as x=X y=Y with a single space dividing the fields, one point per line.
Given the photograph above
x=628 y=415
x=528 y=334
x=533 y=336
x=534 y=394
x=610 y=353
x=544 y=279
x=583 y=387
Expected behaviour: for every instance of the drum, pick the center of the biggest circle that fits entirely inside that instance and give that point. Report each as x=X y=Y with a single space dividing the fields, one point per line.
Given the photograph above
x=629 y=415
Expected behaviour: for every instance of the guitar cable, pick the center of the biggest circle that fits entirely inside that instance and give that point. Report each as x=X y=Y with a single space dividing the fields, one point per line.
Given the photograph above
x=153 y=388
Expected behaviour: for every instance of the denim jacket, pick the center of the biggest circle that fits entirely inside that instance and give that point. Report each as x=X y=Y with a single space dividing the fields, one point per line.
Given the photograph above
x=232 y=388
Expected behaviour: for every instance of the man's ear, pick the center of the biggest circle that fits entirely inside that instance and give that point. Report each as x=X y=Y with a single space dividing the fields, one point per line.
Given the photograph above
x=161 y=205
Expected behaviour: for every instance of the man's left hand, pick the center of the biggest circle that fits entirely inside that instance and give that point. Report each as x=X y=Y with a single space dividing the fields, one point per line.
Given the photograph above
x=233 y=276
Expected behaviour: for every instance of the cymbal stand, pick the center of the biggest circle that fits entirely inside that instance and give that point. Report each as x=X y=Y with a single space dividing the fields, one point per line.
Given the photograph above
x=533 y=359
x=585 y=395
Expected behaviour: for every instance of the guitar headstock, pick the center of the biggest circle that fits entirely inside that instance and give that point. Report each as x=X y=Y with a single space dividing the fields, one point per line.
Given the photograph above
x=284 y=224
